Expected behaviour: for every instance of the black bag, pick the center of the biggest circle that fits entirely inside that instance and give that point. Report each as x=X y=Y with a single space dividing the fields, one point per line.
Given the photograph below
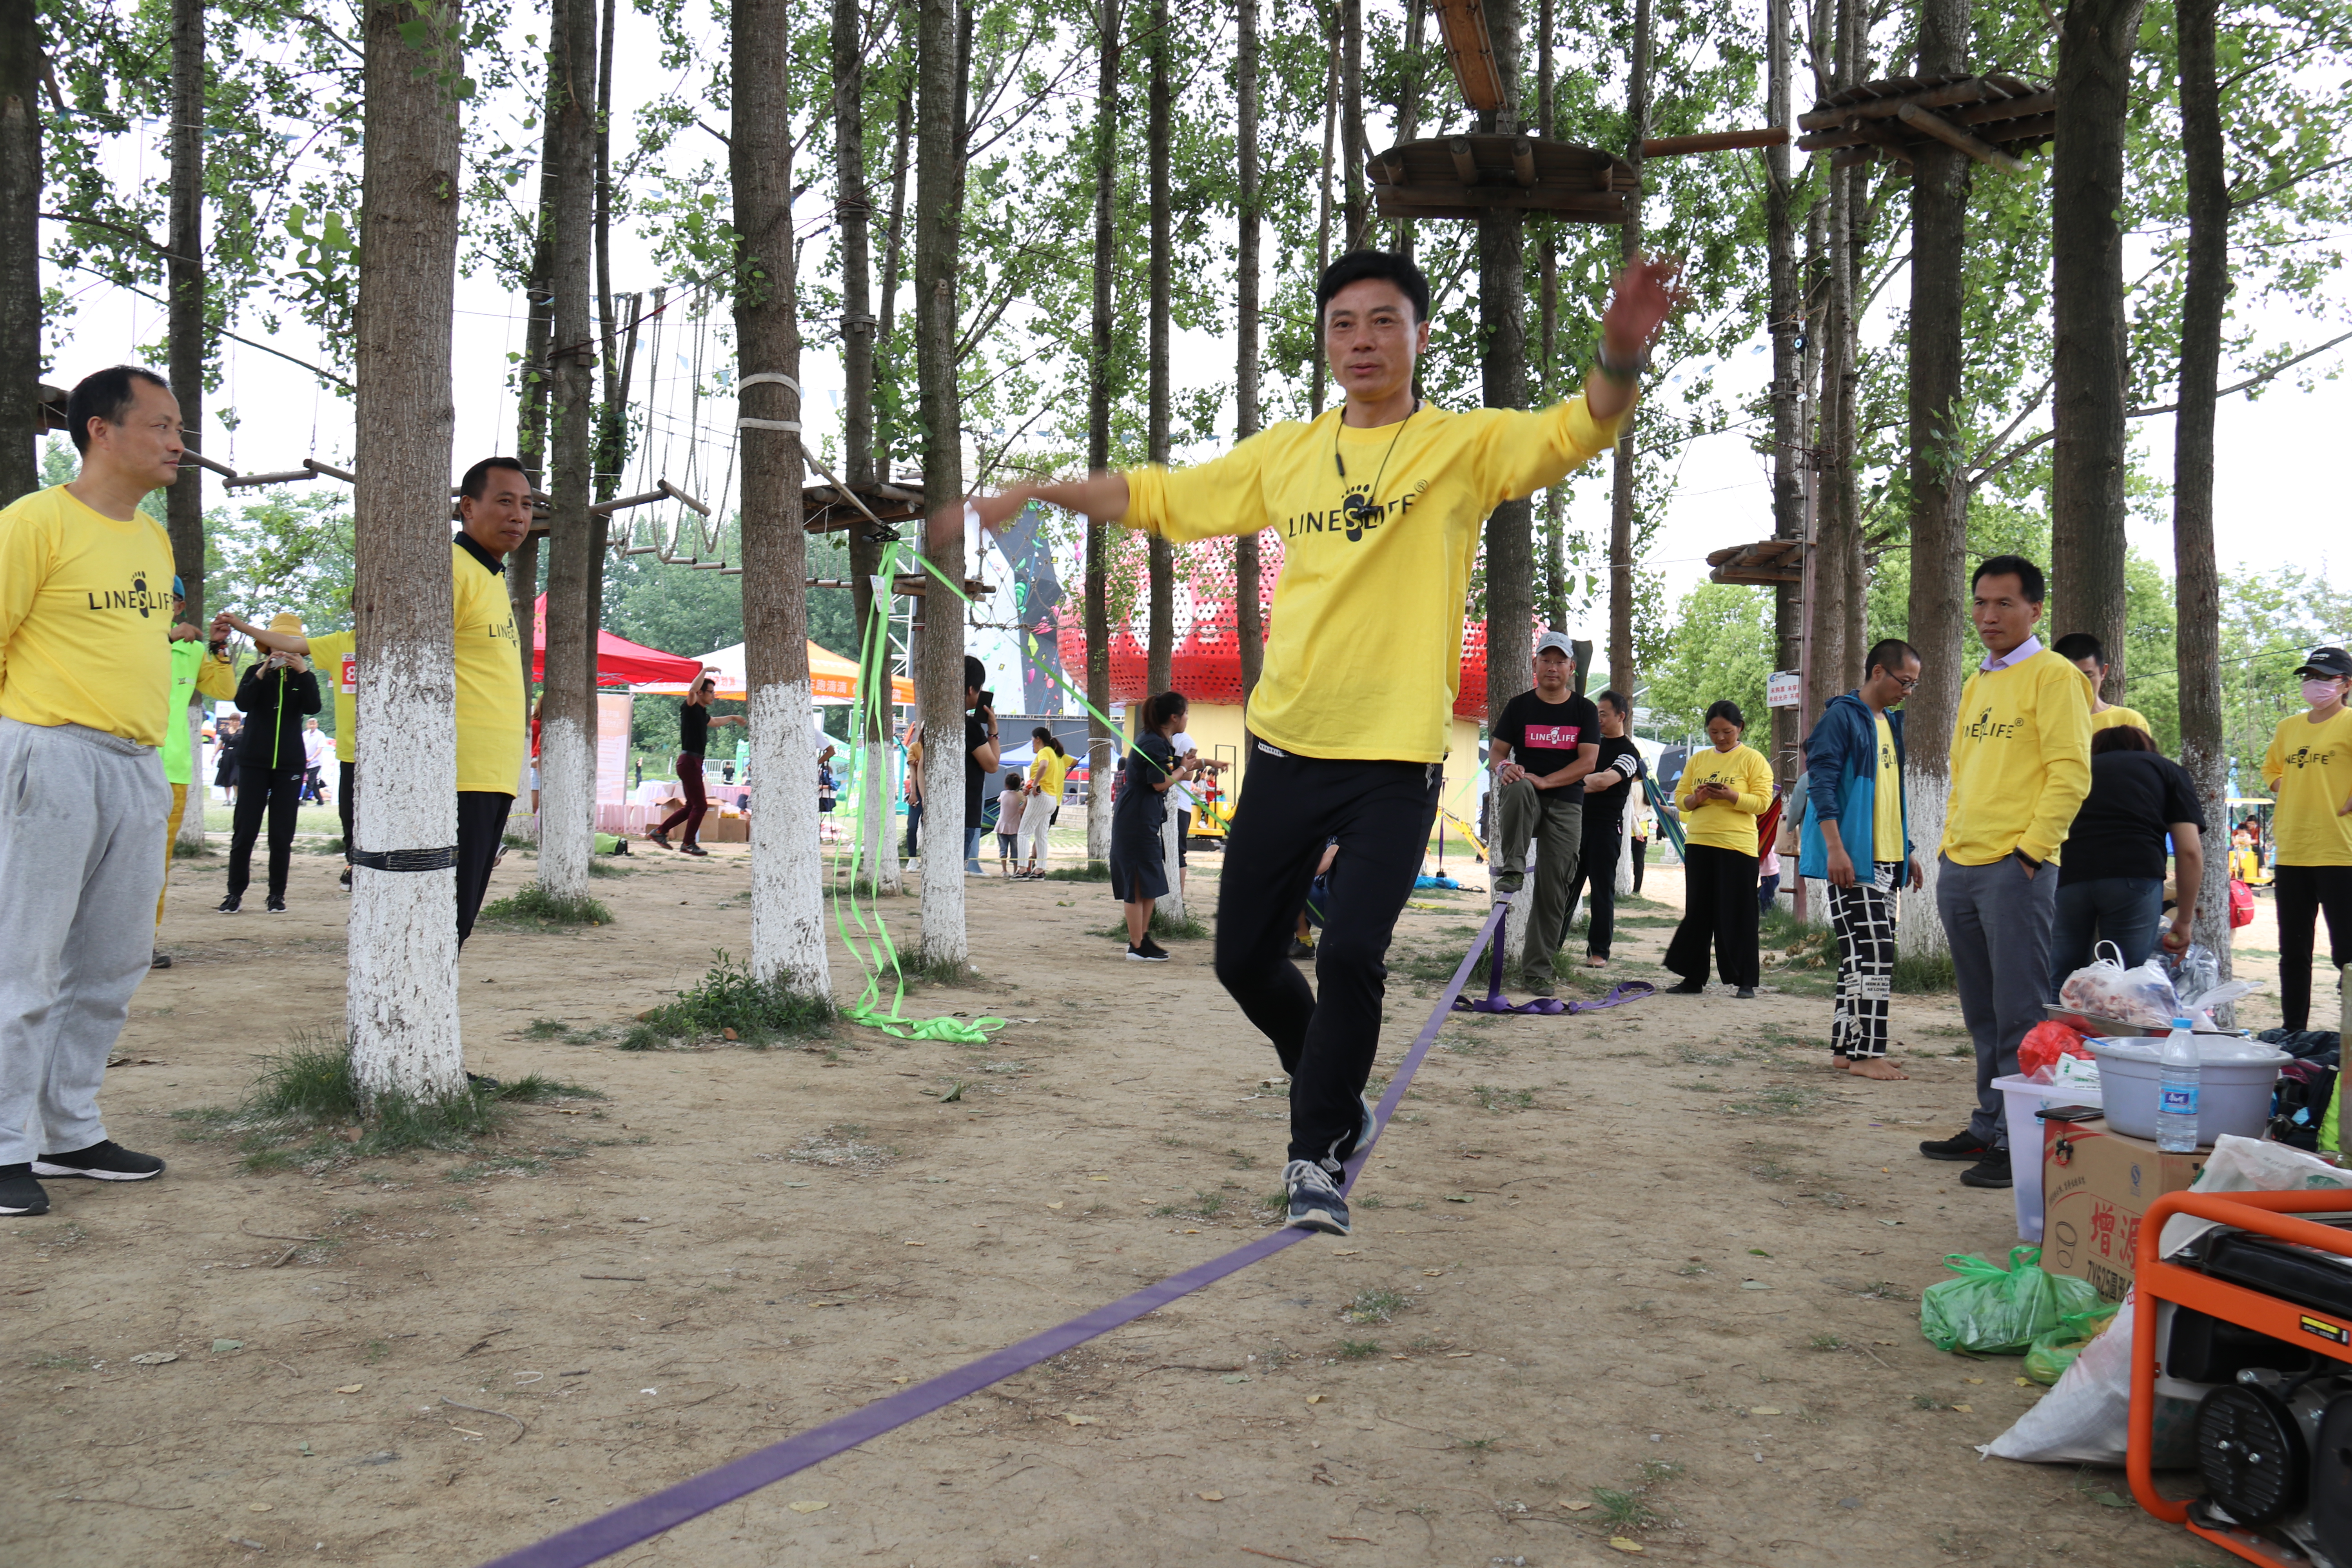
x=2299 y=1104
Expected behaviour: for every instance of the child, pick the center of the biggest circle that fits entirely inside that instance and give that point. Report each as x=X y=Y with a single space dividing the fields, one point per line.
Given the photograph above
x=1008 y=820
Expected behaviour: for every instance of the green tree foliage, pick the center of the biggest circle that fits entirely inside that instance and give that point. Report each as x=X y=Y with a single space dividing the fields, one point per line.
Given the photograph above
x=1721 y=645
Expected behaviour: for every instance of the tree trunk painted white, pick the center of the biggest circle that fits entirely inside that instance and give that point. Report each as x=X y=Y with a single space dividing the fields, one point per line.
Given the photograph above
x=787 y=863
x=1918 y=931
x=1171 y=850
x=943 y=938
x=1102 y=766
x=401 y=996
x=200 y=781
x=567 y=804
x=878 y=819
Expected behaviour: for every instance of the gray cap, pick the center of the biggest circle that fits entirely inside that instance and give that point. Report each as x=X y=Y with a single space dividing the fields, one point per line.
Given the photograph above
x=1557 y=640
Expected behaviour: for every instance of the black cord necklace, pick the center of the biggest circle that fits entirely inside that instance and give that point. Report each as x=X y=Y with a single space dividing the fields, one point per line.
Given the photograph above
x=1359 y=507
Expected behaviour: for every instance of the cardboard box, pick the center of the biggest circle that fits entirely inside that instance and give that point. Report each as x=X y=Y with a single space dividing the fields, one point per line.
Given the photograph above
x=2096 y=1184
x=718 y=829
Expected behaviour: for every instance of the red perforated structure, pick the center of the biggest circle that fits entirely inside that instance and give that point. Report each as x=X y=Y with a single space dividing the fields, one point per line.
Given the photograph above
x=1206 y=662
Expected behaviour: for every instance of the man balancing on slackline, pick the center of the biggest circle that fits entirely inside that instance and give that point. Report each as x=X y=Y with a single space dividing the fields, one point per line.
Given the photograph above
x=494 y=516
x=1379 y=506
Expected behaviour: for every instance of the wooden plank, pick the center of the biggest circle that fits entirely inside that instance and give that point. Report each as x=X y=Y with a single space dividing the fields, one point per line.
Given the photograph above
x=331 y=472
x=1944 y=130
x=1523 y=163
x=292 y=477
x=193 y=455
x=1968 y=91
x=1715 y=141
x=1468 y=201
x=1462 y=25
x=2043 y=102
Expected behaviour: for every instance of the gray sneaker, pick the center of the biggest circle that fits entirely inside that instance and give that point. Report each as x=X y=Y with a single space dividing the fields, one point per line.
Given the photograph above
x=1315 y=1200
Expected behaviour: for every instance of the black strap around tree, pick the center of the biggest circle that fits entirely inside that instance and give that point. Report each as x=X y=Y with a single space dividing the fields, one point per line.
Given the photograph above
x=407 y=859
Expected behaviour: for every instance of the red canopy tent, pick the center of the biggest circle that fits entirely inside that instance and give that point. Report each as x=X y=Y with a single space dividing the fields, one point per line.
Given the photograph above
x=619 y=661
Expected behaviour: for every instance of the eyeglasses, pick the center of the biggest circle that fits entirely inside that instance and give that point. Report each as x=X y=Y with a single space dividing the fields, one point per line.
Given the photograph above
x=1905 y=682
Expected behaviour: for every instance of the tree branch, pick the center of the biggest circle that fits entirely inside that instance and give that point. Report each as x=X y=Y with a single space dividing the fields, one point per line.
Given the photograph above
x=2253 y=381
x=320 y=371
x=126 y=232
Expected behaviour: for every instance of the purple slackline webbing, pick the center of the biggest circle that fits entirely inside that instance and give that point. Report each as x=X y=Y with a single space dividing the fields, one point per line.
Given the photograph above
x=672 y=1506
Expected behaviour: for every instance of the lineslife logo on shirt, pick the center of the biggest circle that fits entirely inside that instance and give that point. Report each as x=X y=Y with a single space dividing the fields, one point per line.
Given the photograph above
x=1355 y=516
x=1550 y=737
x=139 y=598
x=1984 y=728
x=2304 y=757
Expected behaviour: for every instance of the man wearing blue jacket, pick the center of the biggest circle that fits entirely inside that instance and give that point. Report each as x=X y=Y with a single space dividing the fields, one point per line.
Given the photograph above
x=1857 y=837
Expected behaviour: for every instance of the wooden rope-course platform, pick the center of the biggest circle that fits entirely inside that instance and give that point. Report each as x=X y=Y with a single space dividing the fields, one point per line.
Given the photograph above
x=1989 y=118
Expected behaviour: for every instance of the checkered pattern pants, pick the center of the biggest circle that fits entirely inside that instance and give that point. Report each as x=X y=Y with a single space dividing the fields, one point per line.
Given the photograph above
x=1864 y=918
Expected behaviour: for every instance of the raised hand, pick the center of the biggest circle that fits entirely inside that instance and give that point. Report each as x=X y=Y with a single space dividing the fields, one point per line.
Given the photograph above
x=1646 y=293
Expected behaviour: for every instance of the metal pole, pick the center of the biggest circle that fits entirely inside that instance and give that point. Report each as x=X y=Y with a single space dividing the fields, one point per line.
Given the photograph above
x=1797 y=901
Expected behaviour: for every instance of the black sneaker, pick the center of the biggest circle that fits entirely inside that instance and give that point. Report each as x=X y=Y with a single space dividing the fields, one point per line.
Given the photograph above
x=1153 y=948
x=1146 y=953
x=1509 y=883
x=227 y=906
x=1746 y=994
x=107 y=1161
x=1992 y=1171
x=1962 y=1145
x=345 y=879
x=160 y=960
x=20 y=1196
x=1301 y=949
x=273 y=904
x=1688 y=988
x=1315 y=1200
x=657 y=836
x=696 y=849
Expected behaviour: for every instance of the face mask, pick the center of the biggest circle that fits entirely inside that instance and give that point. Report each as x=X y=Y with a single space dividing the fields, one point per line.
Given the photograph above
x=2320 y=693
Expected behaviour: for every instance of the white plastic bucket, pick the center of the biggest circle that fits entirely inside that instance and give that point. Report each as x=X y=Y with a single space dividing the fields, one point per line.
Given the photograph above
x=2233 y=1096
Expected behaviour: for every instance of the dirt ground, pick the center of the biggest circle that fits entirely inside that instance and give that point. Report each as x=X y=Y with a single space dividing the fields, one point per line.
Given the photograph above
x=1659 y=1251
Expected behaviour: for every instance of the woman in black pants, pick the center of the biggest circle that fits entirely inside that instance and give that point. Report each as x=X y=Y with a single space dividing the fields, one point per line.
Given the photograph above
x=1138 y=865
x=1723 y=792
x=275 y=695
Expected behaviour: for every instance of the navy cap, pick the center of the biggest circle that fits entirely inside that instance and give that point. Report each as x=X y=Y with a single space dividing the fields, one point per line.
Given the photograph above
x=2330 y=663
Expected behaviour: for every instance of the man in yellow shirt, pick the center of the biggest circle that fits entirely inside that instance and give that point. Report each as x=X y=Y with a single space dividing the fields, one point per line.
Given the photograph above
x=495 y=512
x=2020 y=767
x=1380 y=505
x=2086 y=653
x=84 y=683
x=2309 y=771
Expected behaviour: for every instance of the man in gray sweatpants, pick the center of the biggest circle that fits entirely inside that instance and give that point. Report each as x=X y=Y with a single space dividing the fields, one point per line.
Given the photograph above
x=85 y=685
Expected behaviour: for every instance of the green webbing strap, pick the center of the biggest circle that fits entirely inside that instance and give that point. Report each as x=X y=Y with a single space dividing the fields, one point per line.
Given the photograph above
x=1666 y=823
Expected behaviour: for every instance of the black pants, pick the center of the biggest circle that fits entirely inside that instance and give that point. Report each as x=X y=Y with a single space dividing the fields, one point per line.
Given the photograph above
x=277 y=792
x=1719 y=910
x=1596 y=869
x=2303 y=892
x=1641 y=848
x=481 y=829
x=346 y=772
x=1291 y=807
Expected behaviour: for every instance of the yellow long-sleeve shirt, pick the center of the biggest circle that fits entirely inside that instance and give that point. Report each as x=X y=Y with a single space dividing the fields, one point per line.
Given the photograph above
x=1726 y=824
x=2309 y=770
x=331 y=655
x=1364 y=659
x=490 y=732
x=2117 y=715
x=85 y=615
x=2020 y=760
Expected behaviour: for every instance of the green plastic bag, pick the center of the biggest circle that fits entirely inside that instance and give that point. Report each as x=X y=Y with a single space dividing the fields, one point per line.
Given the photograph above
x=2051 y=1354
x=1994 y=1311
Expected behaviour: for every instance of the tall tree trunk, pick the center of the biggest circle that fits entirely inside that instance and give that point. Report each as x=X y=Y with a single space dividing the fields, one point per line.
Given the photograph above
x=20 y=249
x=1940 y=178
x=567 y=728
x=1160 y=650
x=401 y=995
x=532 y=393
x=609 y=429
x=2196 y=583
x=1249 y=623
x=184 y=268
x=1784 y=308
x=2088 y=359
x=1503 y=377
x=1408 y=114
x=787 y=869
x=1553 y=597
x=894 y=254
x=1101 y=755
x=853 y=212
x=1622 y=674
x=1834 y=587
x=1317 y=385
x=1354 y=152
x=938 y=672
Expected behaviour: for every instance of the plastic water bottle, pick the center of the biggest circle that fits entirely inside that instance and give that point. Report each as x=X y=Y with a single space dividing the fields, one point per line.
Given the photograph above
x=2176 y=1106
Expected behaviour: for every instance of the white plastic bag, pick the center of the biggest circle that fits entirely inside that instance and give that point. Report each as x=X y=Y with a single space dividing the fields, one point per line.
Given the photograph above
x=2085 y=1418
x=2106 y=989
x=2251 y=1166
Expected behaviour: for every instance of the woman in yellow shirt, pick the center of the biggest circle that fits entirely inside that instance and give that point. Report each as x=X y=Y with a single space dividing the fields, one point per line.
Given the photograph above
x=2309 y=771
x=1051 y=765
x=1721 y=792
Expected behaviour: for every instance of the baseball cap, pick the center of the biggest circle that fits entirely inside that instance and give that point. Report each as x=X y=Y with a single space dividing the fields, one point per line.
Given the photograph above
x=1559 y=640
x=2328 y=662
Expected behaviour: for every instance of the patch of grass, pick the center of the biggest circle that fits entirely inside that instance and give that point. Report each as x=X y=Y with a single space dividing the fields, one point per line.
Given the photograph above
x=605 y=866
x=1692 y=1271
x=62 y=1362
x=534 y=905
x=1771 y=1170
x=1656 y=1470
x=1622 y=1510
x=1242 y=1160
x=732 y=1004
x=517 y=841
x=1693 y=1056
x=1489 y=1098
x=1781 y=1099
x=1826 y=1342
x=1356 y=1350
x=1187 y=930
x=547 y=1029
x=1379 y=1305
x=1477 y=1445
x=1885 y=1290
x=1203 y=1206
x=184 y=850
x=305 y=1110
x=1092 y=871
x=1917 y=974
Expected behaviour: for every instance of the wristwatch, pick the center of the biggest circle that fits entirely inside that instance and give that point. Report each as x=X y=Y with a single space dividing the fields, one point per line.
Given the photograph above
x=2028 y=861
